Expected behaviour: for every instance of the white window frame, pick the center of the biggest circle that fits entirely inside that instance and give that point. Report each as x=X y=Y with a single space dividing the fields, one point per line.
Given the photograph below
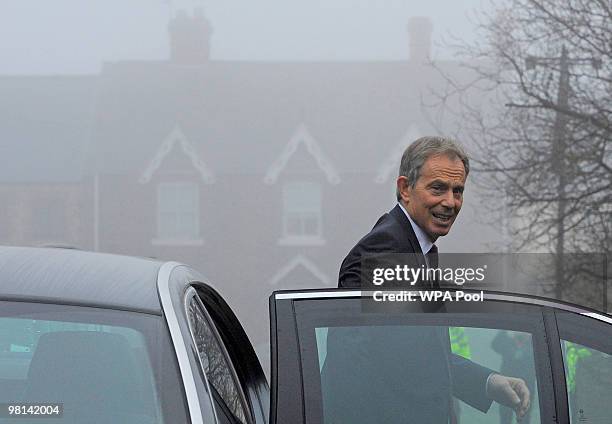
x=289 y=239
x=195 y=239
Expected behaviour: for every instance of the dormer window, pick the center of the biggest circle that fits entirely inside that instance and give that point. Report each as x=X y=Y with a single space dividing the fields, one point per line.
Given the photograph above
x=302 y=216
x=178 y=213
x=178 y=202
x=302 y=220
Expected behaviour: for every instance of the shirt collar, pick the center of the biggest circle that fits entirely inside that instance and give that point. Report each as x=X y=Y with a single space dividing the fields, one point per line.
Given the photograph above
x=422 y=237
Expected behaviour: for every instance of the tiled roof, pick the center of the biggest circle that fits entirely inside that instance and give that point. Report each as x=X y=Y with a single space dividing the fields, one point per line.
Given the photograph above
x=238 y=116
x=241 y=115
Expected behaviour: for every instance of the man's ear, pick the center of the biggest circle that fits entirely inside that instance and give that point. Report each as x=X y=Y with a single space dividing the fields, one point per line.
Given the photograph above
x=404 y=189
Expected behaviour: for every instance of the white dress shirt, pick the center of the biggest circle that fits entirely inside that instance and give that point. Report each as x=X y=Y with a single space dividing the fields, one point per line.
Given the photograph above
x=424 y=240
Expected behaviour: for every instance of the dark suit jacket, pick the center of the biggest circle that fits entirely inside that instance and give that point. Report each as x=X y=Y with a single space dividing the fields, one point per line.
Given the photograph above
x=415 y=373
x=392 y=233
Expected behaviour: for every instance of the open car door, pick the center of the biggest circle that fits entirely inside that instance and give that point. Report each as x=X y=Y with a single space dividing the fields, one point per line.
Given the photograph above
x=338 y=359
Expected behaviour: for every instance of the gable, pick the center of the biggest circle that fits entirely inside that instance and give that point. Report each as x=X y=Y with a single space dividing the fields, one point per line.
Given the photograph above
x=304 y=269
x=302 y=142
x=176 y=140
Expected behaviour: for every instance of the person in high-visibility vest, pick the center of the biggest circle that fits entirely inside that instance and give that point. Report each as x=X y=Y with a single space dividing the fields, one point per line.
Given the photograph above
x=573 y=354
x=460 y=344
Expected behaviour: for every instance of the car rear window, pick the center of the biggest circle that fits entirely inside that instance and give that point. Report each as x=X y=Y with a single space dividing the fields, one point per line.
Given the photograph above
x=100 y=365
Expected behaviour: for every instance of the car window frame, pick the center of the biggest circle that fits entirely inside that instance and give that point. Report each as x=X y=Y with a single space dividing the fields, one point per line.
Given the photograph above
x=286 y=377
x=192 y=294
x=239 y=348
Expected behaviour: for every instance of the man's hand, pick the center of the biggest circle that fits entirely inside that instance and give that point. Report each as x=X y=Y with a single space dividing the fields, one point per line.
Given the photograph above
x=509 y=391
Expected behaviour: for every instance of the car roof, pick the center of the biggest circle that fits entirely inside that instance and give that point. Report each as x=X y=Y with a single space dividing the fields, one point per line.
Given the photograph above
x=69 y=276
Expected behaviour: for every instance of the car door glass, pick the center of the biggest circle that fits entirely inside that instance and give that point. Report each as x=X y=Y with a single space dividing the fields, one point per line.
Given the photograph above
x=508 y=352
x=227 y=394
x=376 y=368
x=586 y=345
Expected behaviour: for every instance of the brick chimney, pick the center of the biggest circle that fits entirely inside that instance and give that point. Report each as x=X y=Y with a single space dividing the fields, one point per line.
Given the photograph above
x=189 y=38
x=420 y=29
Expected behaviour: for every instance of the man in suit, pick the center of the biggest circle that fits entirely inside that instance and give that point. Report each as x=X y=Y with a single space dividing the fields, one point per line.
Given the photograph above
x=429 y=193
x=430 y=185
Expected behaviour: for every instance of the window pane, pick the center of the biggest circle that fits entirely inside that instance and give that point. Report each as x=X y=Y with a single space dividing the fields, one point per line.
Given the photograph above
x=167 y=225
x=509 y=352
x=102 y=366
x=405 y=367
x=311 y=225
x=293 y=225
x=167 y=198
x=405 y=360
x=587 y=348
x=186 y=225
x=589 y=383
x=216 y=366
x=178 y=213
x=302 y=209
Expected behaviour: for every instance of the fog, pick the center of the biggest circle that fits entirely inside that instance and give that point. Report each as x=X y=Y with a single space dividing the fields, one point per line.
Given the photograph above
x=255 y=141
x=74 y=37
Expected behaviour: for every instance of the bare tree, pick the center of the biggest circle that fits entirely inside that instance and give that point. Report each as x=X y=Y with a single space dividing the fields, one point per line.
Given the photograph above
x=537 y=105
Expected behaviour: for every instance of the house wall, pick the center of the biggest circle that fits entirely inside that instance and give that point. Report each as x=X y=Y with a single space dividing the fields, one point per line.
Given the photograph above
x=36 y=214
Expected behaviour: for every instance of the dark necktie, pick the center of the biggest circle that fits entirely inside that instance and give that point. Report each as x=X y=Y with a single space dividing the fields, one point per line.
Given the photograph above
x=432 y=261
x=432 y=256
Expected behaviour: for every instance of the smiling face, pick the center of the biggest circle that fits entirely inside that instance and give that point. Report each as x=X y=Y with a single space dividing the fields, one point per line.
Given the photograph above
x=435 y=200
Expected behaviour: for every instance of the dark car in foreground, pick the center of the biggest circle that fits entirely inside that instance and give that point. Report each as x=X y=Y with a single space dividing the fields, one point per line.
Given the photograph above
x=96 y=338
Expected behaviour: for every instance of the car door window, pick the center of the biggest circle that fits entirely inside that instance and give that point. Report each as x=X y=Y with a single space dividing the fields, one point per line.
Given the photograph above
x=227 y=395
x=586 y=345
x=417 y=367
x=508 y=352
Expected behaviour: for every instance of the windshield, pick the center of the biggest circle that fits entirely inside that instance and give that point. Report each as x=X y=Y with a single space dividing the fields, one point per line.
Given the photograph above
x=87 y=365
